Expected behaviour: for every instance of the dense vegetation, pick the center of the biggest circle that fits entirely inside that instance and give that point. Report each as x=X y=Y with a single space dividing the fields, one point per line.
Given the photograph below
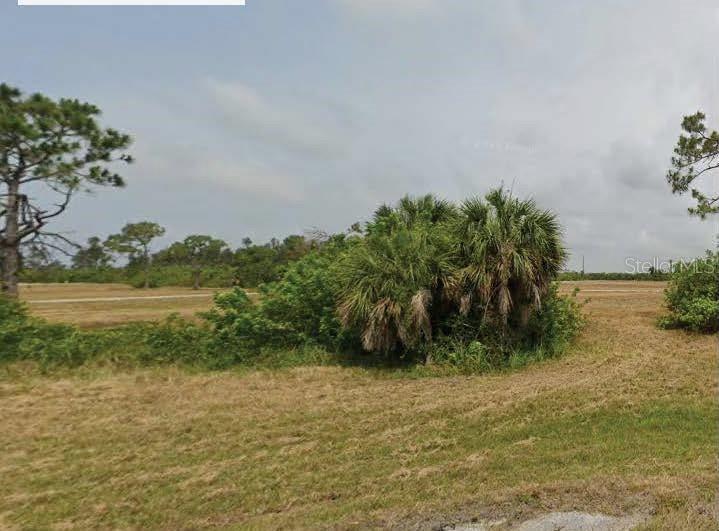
x=428 y=269
x=468 y=285
x=653 y=275
x=692 y=297
x=246 y=267
x=693 y=294
x=201 y=260
x=198 y=260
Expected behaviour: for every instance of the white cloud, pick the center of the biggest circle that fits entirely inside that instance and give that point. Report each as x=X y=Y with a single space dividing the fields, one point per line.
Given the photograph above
x=327 y=113
x=187 y=164
x=252 y=115
x=373 y=8
x=259 y=181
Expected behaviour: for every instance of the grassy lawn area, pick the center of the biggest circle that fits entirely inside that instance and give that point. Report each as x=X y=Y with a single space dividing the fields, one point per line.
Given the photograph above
x=626 y=422
x=101 y=305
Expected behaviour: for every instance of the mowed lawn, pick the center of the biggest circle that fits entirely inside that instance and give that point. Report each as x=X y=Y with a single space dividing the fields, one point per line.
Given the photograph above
x=100 y=305
x=625 y=423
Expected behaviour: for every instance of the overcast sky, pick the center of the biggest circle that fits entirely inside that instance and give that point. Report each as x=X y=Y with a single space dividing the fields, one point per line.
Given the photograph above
x=287 y=115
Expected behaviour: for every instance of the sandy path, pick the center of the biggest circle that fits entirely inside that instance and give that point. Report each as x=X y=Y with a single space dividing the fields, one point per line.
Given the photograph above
x=118 y=299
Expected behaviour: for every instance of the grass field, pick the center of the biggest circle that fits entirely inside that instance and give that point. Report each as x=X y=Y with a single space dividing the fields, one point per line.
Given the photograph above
x=94 y=305
x=625 y=423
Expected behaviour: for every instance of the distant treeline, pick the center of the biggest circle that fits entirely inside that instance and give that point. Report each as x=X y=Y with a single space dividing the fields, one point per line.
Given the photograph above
x=171 y=275
x=198 y=261
x=248 y=267
x=578 y=275
x=213 y=264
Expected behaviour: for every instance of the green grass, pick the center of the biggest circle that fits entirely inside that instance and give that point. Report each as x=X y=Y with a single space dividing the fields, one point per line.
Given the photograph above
x=625 y=423
x=216 y=468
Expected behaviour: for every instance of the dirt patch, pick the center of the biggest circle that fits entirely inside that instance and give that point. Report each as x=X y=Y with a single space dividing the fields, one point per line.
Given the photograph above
x=566 y=521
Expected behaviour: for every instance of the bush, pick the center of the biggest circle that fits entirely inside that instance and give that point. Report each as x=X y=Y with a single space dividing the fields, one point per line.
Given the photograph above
x=23 y=337
x=692 y=297
x=173 y=341
x=468 y=286
x=470 y=357
x=298 y=310
x=555 y=325
x=182 y=275
x=84 y=274
x=474 y=347
x=176 y=340
x=427 y=281
x=296 y=325
x=426 y=267
x=220 y=276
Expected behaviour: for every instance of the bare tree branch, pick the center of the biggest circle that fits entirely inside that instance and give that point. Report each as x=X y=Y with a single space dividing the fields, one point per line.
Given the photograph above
x=32 y=224
x=44 y=239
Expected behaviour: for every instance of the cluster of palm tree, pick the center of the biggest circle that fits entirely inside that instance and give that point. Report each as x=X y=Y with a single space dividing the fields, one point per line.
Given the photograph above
x=425 y=261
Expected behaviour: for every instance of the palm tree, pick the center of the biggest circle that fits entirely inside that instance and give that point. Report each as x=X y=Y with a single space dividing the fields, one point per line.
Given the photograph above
x=424 y=261
x=390 y=282
x=508 y=252
x=410 y=212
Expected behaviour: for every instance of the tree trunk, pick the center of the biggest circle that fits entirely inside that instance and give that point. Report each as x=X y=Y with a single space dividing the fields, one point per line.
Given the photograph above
x=196 y=278
x=10 y=243
x=428 y=359
x=525 y=313
x=10 y=268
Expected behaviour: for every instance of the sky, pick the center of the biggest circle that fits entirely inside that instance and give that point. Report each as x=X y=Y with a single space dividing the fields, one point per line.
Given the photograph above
x=285 y=116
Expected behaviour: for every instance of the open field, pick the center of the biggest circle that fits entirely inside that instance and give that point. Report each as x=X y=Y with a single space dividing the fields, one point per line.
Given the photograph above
x=94 y=305
x=625 y=423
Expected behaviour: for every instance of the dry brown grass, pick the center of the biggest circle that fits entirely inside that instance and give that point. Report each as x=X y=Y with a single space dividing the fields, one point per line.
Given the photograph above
x=626 y=422
x=89 y=314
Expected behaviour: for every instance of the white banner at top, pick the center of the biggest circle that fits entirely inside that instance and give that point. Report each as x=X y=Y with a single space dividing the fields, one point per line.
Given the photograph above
x=131 y=2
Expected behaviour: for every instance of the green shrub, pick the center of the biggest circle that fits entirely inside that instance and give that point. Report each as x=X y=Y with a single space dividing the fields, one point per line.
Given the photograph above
x=557 y=322
x=174 y=341
x=426 y=266
x=13 y=326
x=692 y=297
x=182 y=275
x=578 y=275
x=467 y=357
x=219 y=276
x=84 y=274
x=240 y=331
x=298 y=310
x=27 y=338
x=427 y=280
x=23 y=337
x=474 y=347
x=469 y=286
